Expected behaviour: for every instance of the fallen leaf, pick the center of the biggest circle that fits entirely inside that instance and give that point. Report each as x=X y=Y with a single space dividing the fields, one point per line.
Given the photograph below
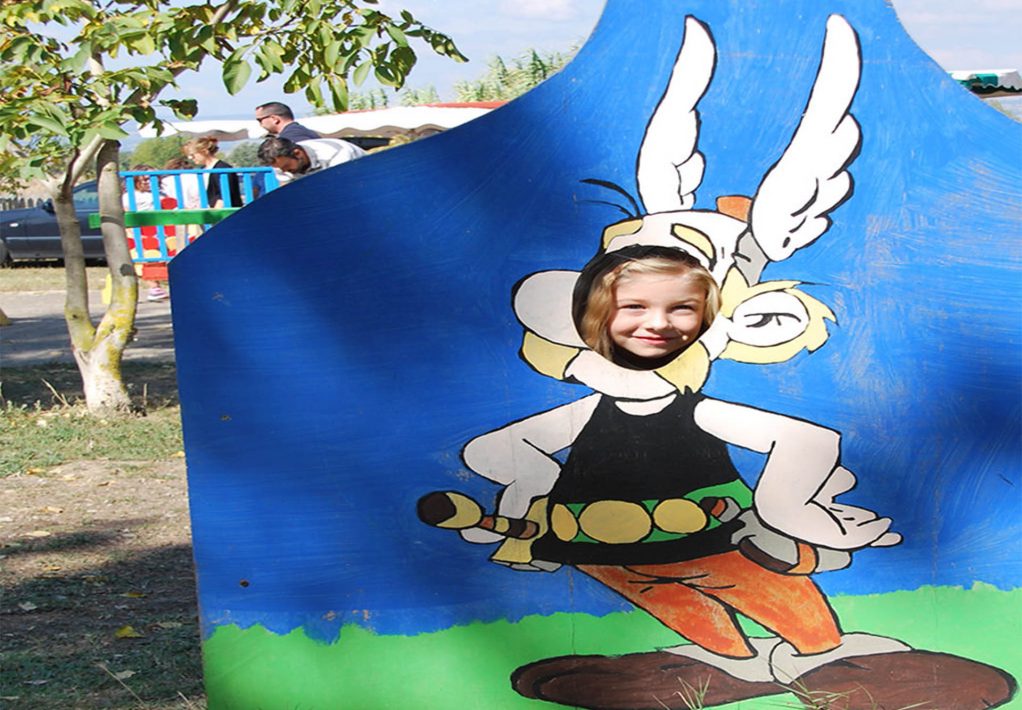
x=123 y=675
x=27 y=606
x=128 y=632
x=38 y=533
x=178 y=455
x=52 y=509
x=169 y=624
x=36 y=682
x=68 y=477
x=34 y=471
x=42 y=422
x=104 y=483
x=134 y=595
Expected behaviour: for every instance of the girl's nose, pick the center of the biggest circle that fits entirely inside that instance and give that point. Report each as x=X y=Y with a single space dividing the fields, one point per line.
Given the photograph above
x=657 y=320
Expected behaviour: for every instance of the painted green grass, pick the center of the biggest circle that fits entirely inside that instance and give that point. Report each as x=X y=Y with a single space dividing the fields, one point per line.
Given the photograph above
x=467 y=667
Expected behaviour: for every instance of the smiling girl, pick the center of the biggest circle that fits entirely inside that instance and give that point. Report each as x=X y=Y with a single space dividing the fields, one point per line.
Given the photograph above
x=642 y=306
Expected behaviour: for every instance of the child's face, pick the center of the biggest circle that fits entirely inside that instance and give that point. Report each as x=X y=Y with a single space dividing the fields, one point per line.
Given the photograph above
x=656 y=315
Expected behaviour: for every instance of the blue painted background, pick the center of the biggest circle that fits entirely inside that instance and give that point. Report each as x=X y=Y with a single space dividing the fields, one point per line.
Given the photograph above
x=341 y=339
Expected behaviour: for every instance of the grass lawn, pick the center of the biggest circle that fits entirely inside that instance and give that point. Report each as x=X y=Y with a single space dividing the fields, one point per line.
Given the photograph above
x=98 y=609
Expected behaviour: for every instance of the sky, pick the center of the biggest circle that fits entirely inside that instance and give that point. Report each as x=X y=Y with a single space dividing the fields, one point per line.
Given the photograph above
x=980 y=34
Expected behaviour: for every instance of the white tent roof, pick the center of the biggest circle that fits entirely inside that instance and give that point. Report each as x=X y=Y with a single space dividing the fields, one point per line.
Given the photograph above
x=989 y=83
x=378 y=122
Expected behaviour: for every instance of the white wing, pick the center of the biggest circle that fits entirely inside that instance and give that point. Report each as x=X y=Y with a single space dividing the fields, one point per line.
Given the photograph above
x=670 y=168
x=792 y=206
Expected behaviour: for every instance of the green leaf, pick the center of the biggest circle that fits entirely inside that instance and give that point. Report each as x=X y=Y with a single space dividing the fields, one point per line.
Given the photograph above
x=236 y=74
x=386 y=76
x=314 y=94
x=112 y=131
x=272 y=55
x=339 y=92
x=398 y=36
x=49 y=124
x=331 y=52
x=182 y=108
x=361 y=72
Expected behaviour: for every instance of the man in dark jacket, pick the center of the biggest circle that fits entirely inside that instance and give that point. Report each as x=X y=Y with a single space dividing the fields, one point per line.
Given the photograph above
x=277 y=119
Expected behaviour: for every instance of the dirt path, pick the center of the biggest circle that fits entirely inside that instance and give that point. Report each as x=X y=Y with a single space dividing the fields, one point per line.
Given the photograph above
x=98 y=607
x=38 y=333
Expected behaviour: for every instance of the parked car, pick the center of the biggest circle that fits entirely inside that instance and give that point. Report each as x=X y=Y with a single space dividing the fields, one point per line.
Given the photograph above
x=32 y=233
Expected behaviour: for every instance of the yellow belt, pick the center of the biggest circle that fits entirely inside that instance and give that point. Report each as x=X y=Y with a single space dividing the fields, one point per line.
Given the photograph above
x=619 y=522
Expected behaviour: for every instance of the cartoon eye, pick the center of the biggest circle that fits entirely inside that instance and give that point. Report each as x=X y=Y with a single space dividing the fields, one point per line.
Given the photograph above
x=769 y=319
x=765 y=319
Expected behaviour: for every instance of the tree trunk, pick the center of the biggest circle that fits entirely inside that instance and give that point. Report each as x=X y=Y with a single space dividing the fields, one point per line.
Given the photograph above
x=98 y=349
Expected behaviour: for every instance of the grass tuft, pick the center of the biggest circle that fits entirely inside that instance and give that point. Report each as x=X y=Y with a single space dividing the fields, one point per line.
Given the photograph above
x=44 y=422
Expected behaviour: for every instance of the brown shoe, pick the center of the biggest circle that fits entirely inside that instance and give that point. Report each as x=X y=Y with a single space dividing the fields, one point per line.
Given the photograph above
x=911 y=679
x=637 y=681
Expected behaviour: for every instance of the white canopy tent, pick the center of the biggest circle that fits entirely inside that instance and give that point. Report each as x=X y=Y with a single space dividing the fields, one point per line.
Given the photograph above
x=386 y=122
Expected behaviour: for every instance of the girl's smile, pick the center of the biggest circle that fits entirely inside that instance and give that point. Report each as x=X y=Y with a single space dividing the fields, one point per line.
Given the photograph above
x=656 y=315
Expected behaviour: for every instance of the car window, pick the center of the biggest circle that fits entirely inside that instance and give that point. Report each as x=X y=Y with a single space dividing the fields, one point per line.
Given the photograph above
x=86 y=198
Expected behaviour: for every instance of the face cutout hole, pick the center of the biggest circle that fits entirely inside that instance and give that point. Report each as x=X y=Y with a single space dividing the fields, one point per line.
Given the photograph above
x=642 y=306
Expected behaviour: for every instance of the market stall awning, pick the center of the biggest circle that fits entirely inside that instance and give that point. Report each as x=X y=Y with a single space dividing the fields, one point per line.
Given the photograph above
x=385 y=122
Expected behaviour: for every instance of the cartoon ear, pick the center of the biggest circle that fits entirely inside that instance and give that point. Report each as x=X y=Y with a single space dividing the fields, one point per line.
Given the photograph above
x=669 y=166
x=793 y=203
x=542 y=302
x=775 y=325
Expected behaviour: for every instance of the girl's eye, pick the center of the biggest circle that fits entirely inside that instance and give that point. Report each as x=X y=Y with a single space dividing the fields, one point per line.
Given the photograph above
x=631 y=307
x=684 y=307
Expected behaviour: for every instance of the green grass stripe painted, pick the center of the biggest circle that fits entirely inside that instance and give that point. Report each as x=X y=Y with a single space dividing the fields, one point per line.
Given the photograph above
x=169 y=218
x=467 y=667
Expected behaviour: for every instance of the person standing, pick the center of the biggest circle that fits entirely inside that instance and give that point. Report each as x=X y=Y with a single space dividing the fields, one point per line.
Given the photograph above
x=142 y=199
x=202 y=151
x=277 y=119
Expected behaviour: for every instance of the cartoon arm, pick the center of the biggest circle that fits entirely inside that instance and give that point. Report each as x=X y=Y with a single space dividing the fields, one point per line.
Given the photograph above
x=520 y=456
x=802 y=476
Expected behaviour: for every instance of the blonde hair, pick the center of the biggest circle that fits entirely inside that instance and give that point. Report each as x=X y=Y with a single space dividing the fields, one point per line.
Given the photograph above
x=594 y=298
x=204 y=144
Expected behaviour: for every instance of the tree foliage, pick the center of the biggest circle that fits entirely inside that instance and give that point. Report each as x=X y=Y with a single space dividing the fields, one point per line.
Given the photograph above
x=154 y=151
x=73 y=72
x=505 y=80
x=245 y=155
x=368 y=100
x=65 y=83
x=417 y=97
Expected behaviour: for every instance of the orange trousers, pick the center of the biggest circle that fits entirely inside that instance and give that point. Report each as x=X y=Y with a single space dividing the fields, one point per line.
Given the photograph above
x=698 y=599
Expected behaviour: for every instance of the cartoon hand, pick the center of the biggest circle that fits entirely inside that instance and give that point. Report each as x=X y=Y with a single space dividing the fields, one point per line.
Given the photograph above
x=856 y=527
x=781 y=553
x=821 y=521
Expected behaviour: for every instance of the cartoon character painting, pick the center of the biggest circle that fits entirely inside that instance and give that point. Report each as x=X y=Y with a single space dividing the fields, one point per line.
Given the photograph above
x=633 y=485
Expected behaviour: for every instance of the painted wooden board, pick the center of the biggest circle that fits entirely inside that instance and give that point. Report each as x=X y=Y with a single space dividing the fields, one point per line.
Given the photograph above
x=354 y=344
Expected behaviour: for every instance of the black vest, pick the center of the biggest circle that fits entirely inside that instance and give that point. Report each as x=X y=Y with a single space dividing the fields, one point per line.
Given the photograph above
x=643 y=460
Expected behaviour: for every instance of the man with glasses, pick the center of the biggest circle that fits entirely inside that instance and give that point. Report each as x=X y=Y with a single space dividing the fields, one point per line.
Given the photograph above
x=277 y=119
